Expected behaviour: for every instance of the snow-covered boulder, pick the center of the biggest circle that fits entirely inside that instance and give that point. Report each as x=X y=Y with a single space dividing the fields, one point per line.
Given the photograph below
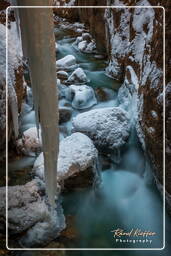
x=82 y=96
x=76 y=162
x=82 y=45
x=30 y=144
x=78 y=40
x=87 y=47
x=87 y=37
x=28 y=214
x=66 y=63
x=91 y=47
x=108 y=127
x=62 y=75
x=78 y=77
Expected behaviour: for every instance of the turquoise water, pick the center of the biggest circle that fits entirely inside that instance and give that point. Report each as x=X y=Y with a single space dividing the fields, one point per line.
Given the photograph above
x=127 y=197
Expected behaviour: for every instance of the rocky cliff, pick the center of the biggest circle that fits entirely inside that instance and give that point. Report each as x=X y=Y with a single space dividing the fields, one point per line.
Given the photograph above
x=133 y=40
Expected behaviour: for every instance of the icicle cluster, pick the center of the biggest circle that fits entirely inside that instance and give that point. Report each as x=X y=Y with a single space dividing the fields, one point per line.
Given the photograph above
x=39 y=47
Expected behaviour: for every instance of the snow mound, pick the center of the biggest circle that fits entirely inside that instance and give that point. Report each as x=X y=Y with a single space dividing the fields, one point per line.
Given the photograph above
x=78 y=77
x=77 y=157
x=109 y=128
x=82 y=96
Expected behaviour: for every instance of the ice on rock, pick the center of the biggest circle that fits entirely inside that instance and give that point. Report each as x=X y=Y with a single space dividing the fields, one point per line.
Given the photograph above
x=109 y=128
x=77 y=160
x=91 y=47
x=77 y=77
x=128 y=93
x=62 y=75
x=78 y=40
x=28 y=214
x=82 y=45
x=87 y=37
x=30 y=143
x=56 y=47
x=66 y=63
x=82 y=96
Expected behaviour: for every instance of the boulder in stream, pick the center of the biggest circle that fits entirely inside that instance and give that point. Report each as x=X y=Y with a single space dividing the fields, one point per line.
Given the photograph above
x=66 y=63
x=77 y=162
x=62 y=75
x=82 y=96
x=78 y=77
x=109 y=127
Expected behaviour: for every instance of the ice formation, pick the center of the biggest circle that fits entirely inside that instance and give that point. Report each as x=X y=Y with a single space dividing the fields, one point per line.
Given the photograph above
x=13 y=61
x=40 y=51
x=78 y=77
x=82 y=96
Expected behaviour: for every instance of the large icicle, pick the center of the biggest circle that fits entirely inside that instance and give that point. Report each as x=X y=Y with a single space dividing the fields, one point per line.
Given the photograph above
x=39 y=46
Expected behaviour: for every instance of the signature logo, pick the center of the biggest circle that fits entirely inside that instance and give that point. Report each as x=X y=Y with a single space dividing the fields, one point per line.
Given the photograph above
x=133 y=235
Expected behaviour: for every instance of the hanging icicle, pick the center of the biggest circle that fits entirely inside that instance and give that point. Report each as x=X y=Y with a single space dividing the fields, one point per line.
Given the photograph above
x=39 y=47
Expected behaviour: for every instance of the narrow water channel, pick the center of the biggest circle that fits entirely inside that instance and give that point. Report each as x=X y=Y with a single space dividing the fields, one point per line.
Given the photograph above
x=127 y=197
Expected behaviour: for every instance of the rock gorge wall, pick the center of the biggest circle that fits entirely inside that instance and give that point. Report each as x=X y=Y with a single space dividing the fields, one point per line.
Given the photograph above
x=133 y=41
x=16 y=91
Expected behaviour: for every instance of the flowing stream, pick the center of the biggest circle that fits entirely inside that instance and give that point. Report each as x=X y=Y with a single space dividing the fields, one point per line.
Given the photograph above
x=127 y=197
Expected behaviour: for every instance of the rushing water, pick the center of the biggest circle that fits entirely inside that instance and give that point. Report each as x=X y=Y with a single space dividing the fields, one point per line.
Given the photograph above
x=127 y=197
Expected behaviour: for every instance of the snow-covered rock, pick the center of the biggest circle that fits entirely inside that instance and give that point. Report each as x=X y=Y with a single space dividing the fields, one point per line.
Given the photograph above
x=62 y=75
x=82 y=96
x=30 y=144
x=87 y=37
x=78 y=40
x=82 y=45
x=78 y=77
x=91 y=47
x=66 y=63
x=86 y=47
x=28 y=212
x=109 y=128
x=76 y=161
